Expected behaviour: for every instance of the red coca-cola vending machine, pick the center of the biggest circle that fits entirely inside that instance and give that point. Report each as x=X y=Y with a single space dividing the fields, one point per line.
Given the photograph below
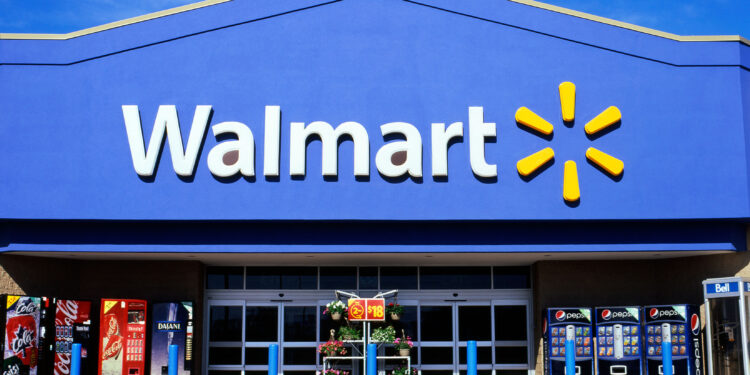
x=72 y=326
x=21 y=325
x=122 y=337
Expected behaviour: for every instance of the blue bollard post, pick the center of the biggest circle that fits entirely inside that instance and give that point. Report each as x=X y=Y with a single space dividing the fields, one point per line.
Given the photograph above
x=273 y=359
x=75 y=361
x=570 y=350
x=172 y=364
x=666 y=349
x=372 y=359
x=471 y=357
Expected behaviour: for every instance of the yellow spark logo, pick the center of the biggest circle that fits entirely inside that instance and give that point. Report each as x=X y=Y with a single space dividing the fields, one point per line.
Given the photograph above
x=531 y=163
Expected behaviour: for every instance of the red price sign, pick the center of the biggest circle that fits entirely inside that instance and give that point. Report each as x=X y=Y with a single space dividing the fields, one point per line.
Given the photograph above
x=366 y=309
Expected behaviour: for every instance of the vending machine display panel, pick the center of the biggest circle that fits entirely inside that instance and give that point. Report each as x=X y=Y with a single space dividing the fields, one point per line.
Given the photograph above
x=618 y=340
x=685 y=330
x=556 y=323
x=172 y=324
x=72 y=326
x=122 y=337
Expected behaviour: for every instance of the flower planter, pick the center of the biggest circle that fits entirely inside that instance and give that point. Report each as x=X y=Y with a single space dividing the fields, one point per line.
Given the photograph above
x=336 y=316
x=395 y=316
x=403 y=352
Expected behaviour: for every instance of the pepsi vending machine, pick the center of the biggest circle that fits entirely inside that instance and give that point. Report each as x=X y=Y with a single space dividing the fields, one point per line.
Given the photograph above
x=685 y=328
x=618 y=340
x=557 y=322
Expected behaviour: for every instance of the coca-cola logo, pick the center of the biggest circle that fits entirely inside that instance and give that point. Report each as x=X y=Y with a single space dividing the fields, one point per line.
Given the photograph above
x=62 y=363
x=113 y=347
x=67 y=312
x=113 y=326
x=12 y=370
x=25 y=338
x=26 y=307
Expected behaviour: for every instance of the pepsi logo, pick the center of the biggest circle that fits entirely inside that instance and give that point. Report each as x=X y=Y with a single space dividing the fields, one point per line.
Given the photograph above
x=656 y=313
x=606 y=314
x=695 y=324
x=560 y=315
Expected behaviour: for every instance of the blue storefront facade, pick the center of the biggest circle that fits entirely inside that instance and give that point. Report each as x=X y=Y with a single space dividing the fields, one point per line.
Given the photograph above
x=475 y=155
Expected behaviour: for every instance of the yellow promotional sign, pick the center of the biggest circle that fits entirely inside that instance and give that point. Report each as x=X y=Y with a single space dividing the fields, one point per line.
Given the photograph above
x=108 y=305
x=12 y=300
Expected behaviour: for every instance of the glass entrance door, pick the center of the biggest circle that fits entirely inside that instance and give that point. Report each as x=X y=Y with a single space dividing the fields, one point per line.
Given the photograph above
x=500 y=329
x=240 y=333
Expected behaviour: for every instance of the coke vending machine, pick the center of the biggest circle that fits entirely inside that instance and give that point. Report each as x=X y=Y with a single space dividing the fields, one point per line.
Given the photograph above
x=21 y=334
x=557 y=322
x=618 y=340
x=172 y=325
x=122 y=337
x=72 y=326
x=685 y=328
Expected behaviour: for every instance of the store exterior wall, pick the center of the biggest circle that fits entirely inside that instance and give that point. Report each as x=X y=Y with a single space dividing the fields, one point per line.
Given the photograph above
x=92 y=280
x=655 y=281
x=85 y=172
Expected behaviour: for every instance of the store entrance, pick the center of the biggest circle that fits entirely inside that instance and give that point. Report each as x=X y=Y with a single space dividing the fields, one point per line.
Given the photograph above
x=241 y=324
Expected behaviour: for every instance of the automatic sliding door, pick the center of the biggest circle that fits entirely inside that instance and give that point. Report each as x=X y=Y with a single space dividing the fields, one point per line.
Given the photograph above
x=225 y=337
x=511 y=332
x=261 y=330
x=436 y=339
x=299 y=347
x=474 y=322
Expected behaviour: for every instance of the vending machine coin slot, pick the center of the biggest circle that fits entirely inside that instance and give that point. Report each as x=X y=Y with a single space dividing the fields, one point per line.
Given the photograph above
x=618 y=370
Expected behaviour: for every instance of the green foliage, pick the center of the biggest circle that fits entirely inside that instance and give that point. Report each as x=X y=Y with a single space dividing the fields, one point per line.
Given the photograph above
x=349 y=333
x=384 y=334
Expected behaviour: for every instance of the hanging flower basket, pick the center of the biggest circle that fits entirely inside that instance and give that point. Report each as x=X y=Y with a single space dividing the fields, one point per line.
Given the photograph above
x=335 y=309
x=394 y=310
x=404 y=352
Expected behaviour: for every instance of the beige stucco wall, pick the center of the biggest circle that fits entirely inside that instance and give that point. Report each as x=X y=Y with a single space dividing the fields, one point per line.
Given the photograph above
x=94 y=280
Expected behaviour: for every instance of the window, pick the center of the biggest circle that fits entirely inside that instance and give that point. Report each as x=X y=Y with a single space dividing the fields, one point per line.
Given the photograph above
x=224 y=277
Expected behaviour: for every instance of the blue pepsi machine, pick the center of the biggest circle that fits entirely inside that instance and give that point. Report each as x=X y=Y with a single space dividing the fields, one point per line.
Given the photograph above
x=618 y=340
x=684 y=324
x=557 y=322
